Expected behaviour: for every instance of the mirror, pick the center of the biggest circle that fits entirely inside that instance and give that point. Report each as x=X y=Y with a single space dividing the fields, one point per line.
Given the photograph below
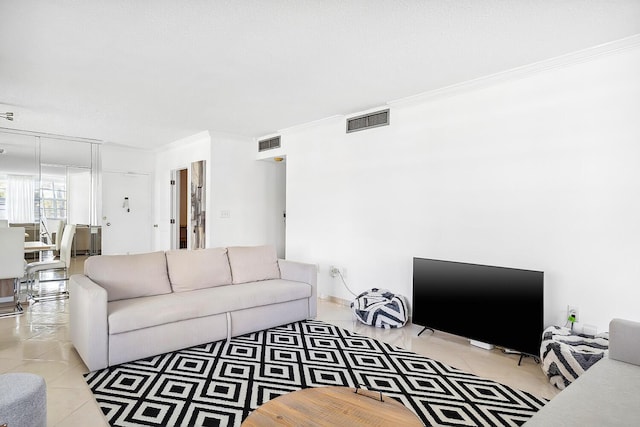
x=198 y=204
x=20 y=175
x=58 y=179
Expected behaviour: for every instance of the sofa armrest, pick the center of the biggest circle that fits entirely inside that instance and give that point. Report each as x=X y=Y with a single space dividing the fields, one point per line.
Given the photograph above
x=302 y=272
x=624 y=341
x=88 y=321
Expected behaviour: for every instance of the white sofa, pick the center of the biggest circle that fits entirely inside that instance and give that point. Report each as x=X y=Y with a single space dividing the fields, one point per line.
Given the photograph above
x=608 y=393
x=129 y=307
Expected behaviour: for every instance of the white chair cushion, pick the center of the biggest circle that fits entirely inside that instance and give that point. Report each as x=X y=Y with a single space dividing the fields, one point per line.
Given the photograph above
x=11 y=252
x=32 y=267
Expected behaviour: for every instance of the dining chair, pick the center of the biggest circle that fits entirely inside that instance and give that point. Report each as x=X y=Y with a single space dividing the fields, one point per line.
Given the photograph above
x=12 y=265
x=58 y=240
x=61 y=263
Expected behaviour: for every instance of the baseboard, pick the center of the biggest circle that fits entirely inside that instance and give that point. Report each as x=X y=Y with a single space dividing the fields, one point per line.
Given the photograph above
x=344 y=302
x=336 y=300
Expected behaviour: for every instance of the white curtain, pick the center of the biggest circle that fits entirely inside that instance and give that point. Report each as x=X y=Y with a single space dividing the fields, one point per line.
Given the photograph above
x=21 y=198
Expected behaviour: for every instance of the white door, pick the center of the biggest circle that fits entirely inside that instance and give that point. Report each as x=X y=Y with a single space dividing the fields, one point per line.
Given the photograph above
x=126 y=213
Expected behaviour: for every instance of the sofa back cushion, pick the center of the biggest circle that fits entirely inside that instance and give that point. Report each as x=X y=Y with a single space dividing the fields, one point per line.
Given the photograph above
x=253 y=263
x=197 y=269
x=129 y=276
x=624 y=341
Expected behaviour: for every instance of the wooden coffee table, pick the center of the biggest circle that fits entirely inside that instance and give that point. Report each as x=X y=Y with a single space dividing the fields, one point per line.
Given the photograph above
x=332 y=406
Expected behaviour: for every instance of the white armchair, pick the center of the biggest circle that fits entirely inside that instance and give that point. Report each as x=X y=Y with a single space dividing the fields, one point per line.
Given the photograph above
x=62 y=263
x=12 y=265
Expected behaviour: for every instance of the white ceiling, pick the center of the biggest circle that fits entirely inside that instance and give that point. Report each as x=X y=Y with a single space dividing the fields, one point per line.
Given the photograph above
x=146 y=73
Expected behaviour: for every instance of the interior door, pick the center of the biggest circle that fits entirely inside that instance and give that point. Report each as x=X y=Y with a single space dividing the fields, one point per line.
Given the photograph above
x=179 y=209
x=126 y=213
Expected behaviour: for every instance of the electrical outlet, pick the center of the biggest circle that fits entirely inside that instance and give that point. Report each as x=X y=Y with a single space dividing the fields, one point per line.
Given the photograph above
x=334 y=271
x=572 y=310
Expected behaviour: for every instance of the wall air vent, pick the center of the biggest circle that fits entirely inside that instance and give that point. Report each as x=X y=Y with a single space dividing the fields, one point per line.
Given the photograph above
x=269 y=144
x=368 y=121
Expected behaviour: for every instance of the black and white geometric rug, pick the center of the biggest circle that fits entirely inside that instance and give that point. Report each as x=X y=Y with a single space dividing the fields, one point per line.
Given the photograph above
x=219 y=384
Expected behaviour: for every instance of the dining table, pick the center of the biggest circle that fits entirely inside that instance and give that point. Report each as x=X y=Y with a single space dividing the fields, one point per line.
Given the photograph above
x=32 y=246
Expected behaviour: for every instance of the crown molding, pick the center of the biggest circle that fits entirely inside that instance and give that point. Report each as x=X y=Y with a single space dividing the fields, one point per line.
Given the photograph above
x=47 y=135
x=525 y=71
x=306 y=125
x=182 y=142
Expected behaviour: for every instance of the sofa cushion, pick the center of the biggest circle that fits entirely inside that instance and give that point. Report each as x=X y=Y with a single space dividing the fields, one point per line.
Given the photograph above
x=253 y=263
x=129 y=276
x=625 y=345
x=139 y=313
x=196 y=269
x=615 y=386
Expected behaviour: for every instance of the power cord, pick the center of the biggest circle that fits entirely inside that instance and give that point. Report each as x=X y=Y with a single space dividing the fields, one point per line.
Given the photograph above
x=571 y=319
x=337 y=270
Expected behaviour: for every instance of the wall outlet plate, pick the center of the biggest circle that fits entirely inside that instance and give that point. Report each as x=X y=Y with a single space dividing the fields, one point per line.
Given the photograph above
x=573 y=311
x=333 y=270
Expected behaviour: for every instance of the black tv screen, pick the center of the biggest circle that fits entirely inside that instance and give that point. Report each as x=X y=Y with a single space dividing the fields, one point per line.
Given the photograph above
x=494 y=305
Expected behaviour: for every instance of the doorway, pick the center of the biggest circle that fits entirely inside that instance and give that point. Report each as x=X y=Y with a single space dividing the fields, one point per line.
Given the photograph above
x=281 y=207
x=276 y=195
x=179 y=209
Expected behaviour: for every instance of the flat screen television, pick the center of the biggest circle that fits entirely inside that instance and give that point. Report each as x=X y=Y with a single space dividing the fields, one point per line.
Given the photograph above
x=494 y=305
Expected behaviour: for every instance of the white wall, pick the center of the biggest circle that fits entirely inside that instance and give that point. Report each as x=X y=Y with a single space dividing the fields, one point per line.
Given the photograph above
x=540 y=172
x=116 y=158
x=250 y=190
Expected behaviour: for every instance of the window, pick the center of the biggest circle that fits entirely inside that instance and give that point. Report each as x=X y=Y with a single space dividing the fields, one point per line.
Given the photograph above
x=52 y=197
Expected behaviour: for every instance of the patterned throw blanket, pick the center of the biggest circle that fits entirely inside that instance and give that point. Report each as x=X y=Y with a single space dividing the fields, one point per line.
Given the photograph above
x=565 y=356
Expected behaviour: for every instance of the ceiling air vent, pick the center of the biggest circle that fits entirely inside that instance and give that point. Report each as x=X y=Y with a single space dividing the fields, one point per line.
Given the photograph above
x=368 y=121
x=269 y=144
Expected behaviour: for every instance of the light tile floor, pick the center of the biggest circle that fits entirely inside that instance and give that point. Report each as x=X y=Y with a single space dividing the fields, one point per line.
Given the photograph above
x=38 y=341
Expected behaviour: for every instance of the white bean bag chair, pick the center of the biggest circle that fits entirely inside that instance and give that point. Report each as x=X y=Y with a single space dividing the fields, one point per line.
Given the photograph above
x=381 y=308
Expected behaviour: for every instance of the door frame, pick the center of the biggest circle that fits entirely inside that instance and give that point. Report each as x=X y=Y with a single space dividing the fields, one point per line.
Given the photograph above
x=179 y=198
